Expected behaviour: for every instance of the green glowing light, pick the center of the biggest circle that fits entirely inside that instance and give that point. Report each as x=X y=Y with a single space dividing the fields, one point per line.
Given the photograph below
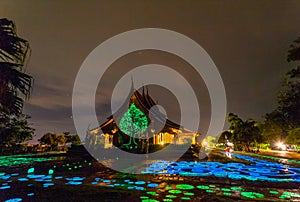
x=274 y=192
x=209 y=191
x=168 y=187
x=189 y=193
x=225 y=189
x=152 y=193
x=174 y=191
x=295 y=195
x=284 y=196
x=144 y=197
x=226 y=194
x=287 y=194
x=30 y=170
x=252 y=194
x=185 y=198
x=184 y=186
x=13 y=160
x=149 y=200
x=167 y=199
x=171 y=196
x=202 y=187
x=237 y=188
x=134 y=121
x=50 y=172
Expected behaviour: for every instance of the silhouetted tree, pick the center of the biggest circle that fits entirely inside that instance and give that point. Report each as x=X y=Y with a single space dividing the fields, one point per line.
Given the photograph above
x=225 y=135
x=285 y=119
x=244 y=132
x=50 y=139
x=74 y=139
x=294 y=51
x=17 y=130
x=15 y=85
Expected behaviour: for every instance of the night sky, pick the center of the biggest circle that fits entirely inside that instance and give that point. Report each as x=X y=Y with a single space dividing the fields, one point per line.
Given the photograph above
x=247 y=41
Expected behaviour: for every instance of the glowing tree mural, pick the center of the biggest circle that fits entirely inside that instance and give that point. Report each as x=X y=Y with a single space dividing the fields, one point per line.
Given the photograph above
x=133 y=122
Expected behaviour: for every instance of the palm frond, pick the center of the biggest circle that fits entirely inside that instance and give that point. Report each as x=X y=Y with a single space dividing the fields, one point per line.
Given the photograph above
x=12 y=47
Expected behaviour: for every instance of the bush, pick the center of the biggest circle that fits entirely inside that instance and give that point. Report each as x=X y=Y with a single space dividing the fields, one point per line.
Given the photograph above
x=264 y=146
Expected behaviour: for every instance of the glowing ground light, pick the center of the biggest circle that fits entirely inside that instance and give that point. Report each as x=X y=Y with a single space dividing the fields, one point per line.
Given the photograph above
x=152 y=193
x=8 y=161
x=74 y=183
x=227 y=194
x=184 y=186
x=274 y=192
x=5 y=187
x=174 y=191
x=189 y=193
x=14 y=200
x=259 y=170
x=149 y=200
x=152 y=185
x=225 y=189
x=46 y=185
x=181 y=192
x=202 y=187
x=30 y=170
x=51 y=171
x=236 y=188
x=140 y=182
x=252 y=194
x=289 y=195
x=171 y=196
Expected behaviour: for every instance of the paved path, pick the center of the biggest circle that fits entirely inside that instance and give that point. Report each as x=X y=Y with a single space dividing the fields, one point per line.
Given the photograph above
x=281 y=154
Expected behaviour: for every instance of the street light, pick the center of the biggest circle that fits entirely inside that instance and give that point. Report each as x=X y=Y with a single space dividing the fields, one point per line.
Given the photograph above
x=280 y=145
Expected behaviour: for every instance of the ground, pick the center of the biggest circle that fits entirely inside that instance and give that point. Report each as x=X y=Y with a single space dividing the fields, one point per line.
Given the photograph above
x=245 y=177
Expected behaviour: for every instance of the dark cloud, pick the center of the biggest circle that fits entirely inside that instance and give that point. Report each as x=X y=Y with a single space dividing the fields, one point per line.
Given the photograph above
x=247 y=41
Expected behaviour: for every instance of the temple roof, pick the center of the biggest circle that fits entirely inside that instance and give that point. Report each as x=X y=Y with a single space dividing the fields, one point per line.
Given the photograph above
x=144 y=102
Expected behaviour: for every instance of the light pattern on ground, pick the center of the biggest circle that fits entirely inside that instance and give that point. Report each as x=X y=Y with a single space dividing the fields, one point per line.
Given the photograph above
x=168 y=183
x=14 y=160
x=148 y=190
x=259 y=170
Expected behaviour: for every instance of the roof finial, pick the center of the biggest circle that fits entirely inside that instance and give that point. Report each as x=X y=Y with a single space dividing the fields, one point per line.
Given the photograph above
x=132 y=84
x=143 y=90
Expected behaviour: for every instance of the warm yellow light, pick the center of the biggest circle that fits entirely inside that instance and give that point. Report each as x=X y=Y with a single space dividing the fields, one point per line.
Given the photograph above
x=280 y=145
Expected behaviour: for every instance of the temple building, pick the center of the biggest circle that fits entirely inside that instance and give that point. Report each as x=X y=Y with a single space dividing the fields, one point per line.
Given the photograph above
x=141 y=127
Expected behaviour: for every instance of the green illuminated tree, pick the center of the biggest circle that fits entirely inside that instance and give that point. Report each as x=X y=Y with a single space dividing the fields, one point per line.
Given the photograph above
x=133 y=122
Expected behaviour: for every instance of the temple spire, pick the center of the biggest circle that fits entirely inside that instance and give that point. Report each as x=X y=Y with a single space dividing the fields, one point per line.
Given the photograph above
x=132 y=86
x=143 y=91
